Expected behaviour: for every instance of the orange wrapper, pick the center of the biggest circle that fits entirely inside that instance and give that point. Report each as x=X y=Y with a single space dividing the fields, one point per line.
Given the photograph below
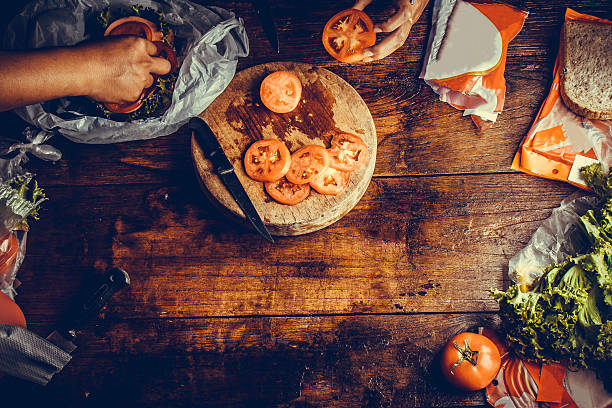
x=560 y=142
x=468 y=77
x=524 y=384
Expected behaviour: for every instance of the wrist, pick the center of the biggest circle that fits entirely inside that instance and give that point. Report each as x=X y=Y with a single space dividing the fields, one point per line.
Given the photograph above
x=82 y=63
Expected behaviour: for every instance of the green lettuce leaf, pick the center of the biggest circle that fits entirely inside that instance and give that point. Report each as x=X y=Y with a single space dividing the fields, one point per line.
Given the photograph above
x=567 y=313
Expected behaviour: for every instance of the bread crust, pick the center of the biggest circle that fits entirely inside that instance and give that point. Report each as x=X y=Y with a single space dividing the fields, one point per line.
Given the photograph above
x=575 y=107
x=580 y=110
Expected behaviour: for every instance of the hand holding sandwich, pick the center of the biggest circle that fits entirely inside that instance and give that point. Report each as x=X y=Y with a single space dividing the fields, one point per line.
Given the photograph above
x=116 y=70
x=398 y=25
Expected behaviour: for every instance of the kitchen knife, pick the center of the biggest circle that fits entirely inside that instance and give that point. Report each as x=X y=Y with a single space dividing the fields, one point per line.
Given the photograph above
x=112 y=281
x=224 y=169
x=262 y=8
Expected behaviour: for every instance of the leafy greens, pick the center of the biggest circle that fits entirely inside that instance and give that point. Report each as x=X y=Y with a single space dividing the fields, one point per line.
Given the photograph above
x=567 y=313
x=19 y=198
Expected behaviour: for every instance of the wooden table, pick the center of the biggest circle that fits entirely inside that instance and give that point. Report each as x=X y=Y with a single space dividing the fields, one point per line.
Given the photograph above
x=353 y=315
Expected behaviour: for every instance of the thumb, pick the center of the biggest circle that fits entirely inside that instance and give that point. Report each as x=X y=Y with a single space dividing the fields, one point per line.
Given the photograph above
x=361 y=4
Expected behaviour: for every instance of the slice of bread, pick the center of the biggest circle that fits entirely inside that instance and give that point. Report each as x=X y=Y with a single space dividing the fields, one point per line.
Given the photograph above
x=586 y=68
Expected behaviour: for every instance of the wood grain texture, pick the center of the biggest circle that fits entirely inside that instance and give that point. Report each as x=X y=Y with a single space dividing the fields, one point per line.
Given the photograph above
x=238 y=119
x=427 y=244
x=350 y=316
x=326 y=361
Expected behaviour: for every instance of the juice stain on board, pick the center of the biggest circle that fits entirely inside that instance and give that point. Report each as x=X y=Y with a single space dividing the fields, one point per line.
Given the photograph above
x=314 y=115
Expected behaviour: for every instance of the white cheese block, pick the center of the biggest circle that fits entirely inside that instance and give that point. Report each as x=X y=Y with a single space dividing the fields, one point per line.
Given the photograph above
x=471 y=44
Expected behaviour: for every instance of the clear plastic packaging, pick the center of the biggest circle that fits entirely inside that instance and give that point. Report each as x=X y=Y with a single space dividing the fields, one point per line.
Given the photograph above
x=20 y=198
x=471 y=78
x=212 y=40
x=558 y=237
x=560 y=142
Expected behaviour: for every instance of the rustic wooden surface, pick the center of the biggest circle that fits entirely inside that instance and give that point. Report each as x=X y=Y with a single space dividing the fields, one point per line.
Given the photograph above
x=349 y=316
x=238 y=119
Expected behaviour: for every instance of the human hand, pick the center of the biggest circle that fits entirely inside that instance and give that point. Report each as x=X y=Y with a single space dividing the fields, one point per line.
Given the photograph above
x=398 y=25
x=120 y=67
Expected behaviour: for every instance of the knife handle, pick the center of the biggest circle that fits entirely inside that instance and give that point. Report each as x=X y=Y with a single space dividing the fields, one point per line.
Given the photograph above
x=210 y=146
x=114 y=280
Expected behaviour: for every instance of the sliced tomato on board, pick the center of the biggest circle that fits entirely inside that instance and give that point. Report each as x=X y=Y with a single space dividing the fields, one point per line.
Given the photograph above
x=331 y=181
x=267 y=160
x=347 y=34
x=281 y=91
x=286 y=192
x=348 y=152
x=306 y=163
x=134 y=25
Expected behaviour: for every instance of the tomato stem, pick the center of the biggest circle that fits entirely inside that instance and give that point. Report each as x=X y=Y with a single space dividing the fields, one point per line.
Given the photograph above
x=467 y=354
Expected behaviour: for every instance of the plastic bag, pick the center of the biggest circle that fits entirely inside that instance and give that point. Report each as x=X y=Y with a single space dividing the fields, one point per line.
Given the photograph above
x=560 y=142
x=469 y=77
x=558 y=237
x=20 y=198
x=213 y=39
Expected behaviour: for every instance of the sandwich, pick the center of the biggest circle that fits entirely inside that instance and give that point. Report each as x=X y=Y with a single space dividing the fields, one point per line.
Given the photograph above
x=149 y=24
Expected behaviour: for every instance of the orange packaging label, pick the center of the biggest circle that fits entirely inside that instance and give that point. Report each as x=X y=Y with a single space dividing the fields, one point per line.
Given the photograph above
x=559 y=141
x=466 y=77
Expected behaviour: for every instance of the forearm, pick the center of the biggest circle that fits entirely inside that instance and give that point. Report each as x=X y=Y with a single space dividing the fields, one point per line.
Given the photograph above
x=114 y=70
x=36 y=76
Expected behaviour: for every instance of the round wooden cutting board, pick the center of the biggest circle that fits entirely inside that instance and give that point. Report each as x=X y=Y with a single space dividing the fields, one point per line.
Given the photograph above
x=238 y=118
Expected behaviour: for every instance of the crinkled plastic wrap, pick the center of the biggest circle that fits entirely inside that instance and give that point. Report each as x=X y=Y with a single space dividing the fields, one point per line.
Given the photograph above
x=560 y=142
x=213 y=40
x=16 y=207
x=558 y=237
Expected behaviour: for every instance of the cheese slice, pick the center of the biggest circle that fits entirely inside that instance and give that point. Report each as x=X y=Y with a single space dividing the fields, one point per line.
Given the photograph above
x=471 y=45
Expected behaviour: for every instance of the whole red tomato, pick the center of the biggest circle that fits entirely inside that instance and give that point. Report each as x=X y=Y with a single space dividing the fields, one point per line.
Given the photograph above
x=470 y=361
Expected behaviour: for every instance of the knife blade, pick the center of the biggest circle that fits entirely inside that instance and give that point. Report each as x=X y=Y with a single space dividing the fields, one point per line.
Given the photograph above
x=224 y=169
x=64 y=336
x=262 y=8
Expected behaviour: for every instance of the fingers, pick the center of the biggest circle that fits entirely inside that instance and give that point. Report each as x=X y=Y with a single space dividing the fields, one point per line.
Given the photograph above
x=387 y=46
x=404 y=15
x=150 y=48
x=160 y=66
x=361 y=4
x=149 y=81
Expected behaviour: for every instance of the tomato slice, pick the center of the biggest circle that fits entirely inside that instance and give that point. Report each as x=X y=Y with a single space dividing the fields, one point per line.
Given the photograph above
x=267 y=160
x=331 y=181
x=125 y=107
x=9 y=250
x=348 y=152
x=306 y=163
x=347 y=34
x=281 y=91
x=286 y=192
x=134 y=25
